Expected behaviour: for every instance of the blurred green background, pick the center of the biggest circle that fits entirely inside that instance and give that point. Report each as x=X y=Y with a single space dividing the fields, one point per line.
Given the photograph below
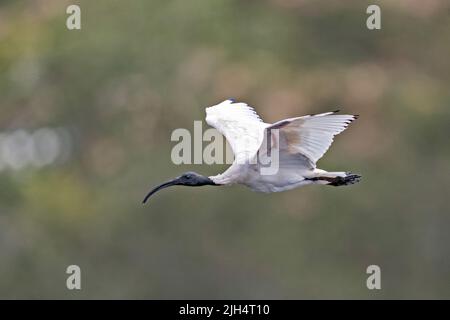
x=100 y=103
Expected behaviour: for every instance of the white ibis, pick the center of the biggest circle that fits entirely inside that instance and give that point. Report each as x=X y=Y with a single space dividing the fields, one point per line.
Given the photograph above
x=298 y=142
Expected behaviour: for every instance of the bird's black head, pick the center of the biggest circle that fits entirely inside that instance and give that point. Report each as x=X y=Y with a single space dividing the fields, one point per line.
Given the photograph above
x=193 y=179
x=190 y=179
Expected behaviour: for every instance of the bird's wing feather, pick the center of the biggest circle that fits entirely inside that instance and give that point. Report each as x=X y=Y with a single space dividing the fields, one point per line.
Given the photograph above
x=240 y=124
x=308 y=136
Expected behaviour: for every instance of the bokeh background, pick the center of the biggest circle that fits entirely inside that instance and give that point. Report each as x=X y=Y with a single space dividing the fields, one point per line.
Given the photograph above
x=85 y=124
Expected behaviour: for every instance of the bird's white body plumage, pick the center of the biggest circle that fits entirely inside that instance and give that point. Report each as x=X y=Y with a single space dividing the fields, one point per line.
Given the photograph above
x=300 y=143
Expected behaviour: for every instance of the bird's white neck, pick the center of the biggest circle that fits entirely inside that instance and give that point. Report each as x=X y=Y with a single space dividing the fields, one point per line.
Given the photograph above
x=232 y=175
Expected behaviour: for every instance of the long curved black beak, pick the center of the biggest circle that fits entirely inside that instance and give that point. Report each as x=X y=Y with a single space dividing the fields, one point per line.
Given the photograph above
x=167 y=184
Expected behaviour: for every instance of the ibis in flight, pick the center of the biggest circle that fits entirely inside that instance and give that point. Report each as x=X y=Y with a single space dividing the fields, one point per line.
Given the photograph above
x=295 y=143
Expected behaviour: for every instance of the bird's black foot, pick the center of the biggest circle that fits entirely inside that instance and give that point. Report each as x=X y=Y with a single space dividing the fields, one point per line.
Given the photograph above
x=350 y=178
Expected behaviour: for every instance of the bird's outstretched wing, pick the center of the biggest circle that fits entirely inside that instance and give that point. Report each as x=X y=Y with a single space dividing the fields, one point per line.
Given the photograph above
x=308 y=136
x=240 y=124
